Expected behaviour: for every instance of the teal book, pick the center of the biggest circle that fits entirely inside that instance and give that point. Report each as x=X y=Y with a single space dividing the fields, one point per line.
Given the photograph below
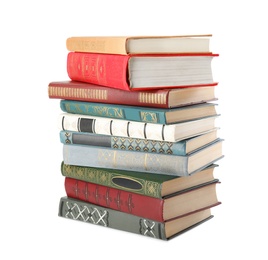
x=139 y=114
x=92 y=156
x=86 y=212
x=183 y=147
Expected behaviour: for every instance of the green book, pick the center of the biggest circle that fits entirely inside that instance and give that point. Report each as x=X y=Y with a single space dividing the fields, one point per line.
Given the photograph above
x=90 y=213
x=149 y=184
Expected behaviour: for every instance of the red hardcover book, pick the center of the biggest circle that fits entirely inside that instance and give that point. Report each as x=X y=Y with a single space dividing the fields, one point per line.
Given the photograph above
x=161 y=98
x=167 y=208
x=141 y=72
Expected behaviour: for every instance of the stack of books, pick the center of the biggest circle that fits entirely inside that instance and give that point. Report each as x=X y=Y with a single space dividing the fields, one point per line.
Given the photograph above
x=139 y=133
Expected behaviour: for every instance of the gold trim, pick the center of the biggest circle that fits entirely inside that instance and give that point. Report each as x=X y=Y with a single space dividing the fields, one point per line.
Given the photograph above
x=145 y=161
x=114 y=159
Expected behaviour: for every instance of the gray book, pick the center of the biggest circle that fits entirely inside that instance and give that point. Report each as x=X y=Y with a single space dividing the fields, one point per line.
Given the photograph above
x=90 y=213
x=103 y=157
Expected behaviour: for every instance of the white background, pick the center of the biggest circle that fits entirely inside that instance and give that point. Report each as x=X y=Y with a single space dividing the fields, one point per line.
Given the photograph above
x=33 y=53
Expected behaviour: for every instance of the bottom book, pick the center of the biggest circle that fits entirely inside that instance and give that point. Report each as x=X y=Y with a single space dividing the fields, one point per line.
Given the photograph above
x=91 y=213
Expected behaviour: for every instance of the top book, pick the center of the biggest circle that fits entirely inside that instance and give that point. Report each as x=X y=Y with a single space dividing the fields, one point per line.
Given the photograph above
x=140 y=44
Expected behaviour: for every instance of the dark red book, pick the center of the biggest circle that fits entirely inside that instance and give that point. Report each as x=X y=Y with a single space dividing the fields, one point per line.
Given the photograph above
x=141 y=72
x=167 y=208
x=161 y=98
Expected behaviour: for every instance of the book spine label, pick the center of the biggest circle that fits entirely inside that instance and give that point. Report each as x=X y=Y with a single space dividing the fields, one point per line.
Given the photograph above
x=101 y=69
x=128 y=202
x=91 y=156
x=94 y=93
x=116 y=127
x=113 y=111
x=123 y=143
x=114 y=179
x=94 y=214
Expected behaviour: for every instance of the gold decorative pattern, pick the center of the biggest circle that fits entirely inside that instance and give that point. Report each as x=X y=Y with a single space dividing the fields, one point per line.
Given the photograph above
x=149 y=117
x=153 y=98
x=108 y=111
x=151 y=188
x=102 y=177
x=63 y=92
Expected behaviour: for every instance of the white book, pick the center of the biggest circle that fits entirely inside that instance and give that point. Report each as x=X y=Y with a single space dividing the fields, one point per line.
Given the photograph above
x=126 y=128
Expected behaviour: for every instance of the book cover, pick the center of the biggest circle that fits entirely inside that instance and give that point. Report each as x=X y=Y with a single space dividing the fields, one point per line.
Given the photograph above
x=119 y=71
x=175 y=205
x=183 y=147
x=142 y=162
x=149 y=184
x=160 y=98
x=125 y=128
x=90 y=213
x=139 y=114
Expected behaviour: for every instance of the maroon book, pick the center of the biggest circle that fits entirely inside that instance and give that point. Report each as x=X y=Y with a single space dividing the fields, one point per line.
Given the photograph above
x=167 y=208
x=161 y=98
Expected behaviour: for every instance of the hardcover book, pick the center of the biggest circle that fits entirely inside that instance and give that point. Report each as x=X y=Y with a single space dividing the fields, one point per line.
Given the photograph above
x=176 y=165
x=161 y=98
x=141 y=72
x=125 y=128
x=139 y=44
x=149 y=184
x=139 y=114
x=175 y=205
x=90 y=213
x=183 y=147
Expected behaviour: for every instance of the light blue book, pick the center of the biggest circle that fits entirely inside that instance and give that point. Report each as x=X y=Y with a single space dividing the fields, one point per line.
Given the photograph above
x=183 y=147
x=92 y=156
x=140 y=114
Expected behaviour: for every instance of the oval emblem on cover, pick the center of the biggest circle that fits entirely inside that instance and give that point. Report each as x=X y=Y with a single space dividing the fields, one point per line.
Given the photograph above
x=127 y=183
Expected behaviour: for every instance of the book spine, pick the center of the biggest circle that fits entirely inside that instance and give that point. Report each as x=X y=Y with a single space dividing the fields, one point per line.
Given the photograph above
x=114 y=179
x=114 y=111
x=116 y=127
x=128 y=202
x=116 y=45
x=124 y=143
x=94 y=93
x=101 y=69
x=91 y=156
x=90 y=213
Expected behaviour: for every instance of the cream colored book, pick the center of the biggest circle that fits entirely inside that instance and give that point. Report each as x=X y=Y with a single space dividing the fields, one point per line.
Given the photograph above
x=140 y=44
x=134 y=129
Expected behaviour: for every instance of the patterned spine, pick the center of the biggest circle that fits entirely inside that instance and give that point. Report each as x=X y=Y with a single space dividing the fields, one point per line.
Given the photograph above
x=108 y=178
x=91 y=156
x=124 y=143
x=114 y=111
x=101 y=69
x=124 y=201
x=86 y=212
x=72 y=90
x=77 y=93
